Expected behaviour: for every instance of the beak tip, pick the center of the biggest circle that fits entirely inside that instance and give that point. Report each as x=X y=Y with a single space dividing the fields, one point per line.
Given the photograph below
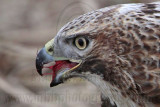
x=39 y=69
x=40 y=73
x=55 y=83
x=42 y=58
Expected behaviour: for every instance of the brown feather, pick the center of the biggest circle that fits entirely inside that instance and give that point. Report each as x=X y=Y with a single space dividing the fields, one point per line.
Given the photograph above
x=126 y=49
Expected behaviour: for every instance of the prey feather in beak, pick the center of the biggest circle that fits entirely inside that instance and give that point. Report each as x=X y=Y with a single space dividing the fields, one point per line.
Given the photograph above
x=61 y=68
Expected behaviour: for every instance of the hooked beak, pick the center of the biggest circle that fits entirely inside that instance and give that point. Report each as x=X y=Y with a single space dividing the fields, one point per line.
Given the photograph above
x=42 y=58
x=61 y=69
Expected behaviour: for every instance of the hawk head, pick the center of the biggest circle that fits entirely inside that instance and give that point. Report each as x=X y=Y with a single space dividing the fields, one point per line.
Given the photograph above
x=76 y=52
x=116 y=48
x=79 y=49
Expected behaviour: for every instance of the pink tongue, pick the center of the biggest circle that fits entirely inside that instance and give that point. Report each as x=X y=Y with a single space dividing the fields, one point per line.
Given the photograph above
x=60 y=65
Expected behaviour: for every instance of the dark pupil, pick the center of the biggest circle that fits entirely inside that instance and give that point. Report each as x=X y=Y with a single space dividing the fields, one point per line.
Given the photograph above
x=80 y=42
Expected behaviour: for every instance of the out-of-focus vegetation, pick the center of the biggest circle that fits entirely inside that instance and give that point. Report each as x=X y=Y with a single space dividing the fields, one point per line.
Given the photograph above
x=25 y=26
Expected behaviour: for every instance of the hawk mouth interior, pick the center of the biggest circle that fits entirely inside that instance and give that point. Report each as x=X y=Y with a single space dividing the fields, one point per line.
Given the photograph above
x=61 y=66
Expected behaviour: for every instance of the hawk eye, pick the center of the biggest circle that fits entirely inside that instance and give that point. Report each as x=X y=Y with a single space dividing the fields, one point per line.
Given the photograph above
x=80 y=43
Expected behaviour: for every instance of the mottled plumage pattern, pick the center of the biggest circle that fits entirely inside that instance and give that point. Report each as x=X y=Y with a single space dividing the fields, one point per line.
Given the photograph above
x=127 y=43
x=123 y=58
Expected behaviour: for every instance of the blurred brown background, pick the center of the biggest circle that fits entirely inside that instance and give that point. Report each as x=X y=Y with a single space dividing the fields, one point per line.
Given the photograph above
x=25 y=26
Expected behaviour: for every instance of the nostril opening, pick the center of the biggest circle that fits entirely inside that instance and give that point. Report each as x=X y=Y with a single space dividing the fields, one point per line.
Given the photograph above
x=50 y=50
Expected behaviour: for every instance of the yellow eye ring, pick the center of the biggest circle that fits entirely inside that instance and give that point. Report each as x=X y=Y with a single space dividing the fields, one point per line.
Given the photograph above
x=80 y=43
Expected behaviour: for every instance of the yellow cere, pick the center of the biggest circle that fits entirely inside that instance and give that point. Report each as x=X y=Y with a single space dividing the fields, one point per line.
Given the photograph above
x=49 y=47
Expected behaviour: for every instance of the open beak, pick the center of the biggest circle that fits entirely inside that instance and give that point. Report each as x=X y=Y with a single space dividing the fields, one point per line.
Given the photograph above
x=60 y=70
x=42 y=58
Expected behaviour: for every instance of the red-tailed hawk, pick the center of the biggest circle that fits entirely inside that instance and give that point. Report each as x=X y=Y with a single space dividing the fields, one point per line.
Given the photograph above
x=117 y=48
